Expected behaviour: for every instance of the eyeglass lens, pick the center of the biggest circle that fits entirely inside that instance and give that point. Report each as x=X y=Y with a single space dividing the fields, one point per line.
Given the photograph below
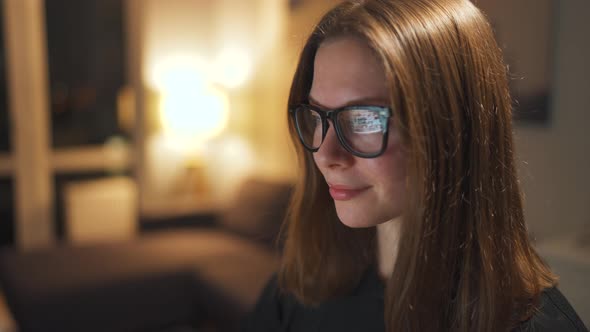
x=361 y=129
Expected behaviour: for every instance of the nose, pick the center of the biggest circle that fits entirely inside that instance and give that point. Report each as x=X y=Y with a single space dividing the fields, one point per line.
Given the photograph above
x=331 y=153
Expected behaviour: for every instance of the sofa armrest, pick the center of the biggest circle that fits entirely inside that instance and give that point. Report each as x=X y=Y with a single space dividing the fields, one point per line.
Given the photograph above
x=115 y=287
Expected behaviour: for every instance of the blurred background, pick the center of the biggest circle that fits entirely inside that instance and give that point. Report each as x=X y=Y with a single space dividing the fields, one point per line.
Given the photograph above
x=145 y=162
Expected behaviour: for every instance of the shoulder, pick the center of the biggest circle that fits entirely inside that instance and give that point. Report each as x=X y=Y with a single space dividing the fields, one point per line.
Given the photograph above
x=271 y=310
x=266 y=310
x=555 y=313
x=362 y=310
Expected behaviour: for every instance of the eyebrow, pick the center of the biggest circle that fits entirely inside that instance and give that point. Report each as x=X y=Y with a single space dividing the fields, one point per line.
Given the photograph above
x=363 y=101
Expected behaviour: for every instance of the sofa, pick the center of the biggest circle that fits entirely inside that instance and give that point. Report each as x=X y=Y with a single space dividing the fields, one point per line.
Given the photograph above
x=204 y=276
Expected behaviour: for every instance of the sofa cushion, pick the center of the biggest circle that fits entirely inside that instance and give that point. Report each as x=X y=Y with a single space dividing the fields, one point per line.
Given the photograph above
x=160 y=280
x=257 y=209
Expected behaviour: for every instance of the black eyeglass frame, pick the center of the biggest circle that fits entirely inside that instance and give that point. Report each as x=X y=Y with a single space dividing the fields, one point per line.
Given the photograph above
x=385 y=113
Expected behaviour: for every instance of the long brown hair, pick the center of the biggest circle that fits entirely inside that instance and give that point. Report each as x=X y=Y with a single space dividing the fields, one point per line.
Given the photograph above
x=465 y=262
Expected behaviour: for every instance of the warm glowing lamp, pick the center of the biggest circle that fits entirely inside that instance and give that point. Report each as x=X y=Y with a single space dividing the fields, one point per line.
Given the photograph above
x=190 y=106
x=232 y=67
x=191 y=110
x=198 y=113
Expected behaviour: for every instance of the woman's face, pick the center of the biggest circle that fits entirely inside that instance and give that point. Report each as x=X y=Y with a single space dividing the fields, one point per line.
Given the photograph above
x=366 y=192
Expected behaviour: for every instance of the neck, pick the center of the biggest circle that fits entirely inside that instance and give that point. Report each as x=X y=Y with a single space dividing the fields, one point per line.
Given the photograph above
x=387 y=246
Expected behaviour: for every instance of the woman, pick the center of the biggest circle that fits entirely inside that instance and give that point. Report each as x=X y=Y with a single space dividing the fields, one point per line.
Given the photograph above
x=408 y=214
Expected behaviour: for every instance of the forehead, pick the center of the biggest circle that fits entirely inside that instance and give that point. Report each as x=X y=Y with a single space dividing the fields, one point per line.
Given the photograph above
x=347 y=71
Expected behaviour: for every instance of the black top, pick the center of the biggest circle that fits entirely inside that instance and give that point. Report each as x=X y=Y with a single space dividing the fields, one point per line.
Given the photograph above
x=363 y=311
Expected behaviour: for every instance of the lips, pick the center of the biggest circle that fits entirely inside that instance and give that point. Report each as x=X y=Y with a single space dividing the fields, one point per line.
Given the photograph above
x=345 y=193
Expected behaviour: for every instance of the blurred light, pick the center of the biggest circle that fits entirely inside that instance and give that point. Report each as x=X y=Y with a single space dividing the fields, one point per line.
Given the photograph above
x=201 y=112
x=222 y=154
x=232 y=67
x=178 y=72
x=190 y=106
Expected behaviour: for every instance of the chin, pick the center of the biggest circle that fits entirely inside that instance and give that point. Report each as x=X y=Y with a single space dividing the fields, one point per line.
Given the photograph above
x=354 y=224
x=354 y=220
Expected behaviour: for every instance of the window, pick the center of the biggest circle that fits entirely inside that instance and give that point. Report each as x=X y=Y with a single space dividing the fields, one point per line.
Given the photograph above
x=86 y=63
x=6 y=211
x=6 y=183
x=85 y=49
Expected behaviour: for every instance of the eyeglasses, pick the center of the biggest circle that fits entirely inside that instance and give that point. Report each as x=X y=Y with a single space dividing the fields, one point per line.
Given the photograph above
x=361 y=130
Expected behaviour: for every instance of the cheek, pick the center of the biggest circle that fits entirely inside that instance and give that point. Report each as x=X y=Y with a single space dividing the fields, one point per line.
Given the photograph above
x=394 y=155
x=389 y=170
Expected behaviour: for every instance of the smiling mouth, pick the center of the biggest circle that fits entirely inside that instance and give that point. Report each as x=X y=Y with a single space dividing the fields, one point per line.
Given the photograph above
x=345 y=194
